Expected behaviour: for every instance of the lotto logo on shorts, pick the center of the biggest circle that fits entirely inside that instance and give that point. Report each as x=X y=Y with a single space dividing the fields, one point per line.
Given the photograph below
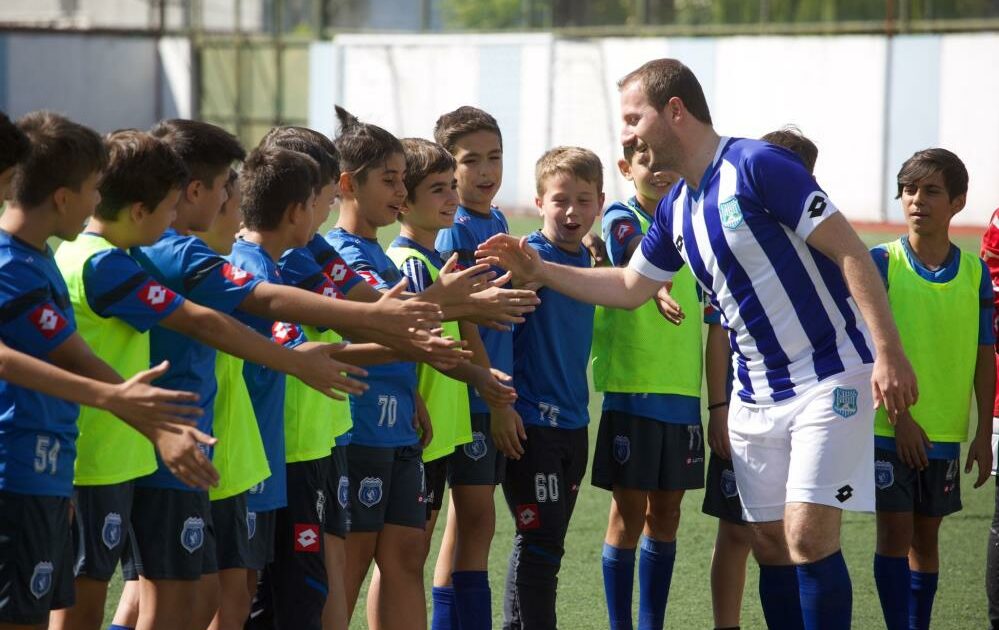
x=48 y=321
x=845 y=401
x=306 y=538
x=237 y=276
x=156 y=296
x=528 y=517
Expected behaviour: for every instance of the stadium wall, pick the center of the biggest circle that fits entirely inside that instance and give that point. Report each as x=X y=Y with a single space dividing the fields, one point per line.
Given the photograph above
x=105 y=81
x=867 y=101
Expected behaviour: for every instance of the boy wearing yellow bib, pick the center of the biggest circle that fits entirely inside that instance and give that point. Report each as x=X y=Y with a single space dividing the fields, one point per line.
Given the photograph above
x=941 y=299
x=650 y=448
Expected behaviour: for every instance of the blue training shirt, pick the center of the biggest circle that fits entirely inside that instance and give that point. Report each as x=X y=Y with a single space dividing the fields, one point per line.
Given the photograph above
x=383 y=415
x=116 y=286
x=471 y=229
x=37 y=432
x=551 y=351
x=986 y=335
x=743 y=231
x=186 y=265
x=619 y=226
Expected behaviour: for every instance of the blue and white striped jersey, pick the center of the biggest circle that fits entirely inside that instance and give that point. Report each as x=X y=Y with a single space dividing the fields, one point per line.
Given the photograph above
x=790 y=317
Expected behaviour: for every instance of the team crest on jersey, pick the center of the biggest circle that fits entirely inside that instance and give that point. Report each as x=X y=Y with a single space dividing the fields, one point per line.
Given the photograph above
x=251 y=525
x=728 y=486
x=731 y=213
x=845 y=401
x=370 y=491
x=343 y=491
x=193 y=534
x=622 y=449
x=111 y=532
x=41 y=579
x=884 y=474
x=476 y=449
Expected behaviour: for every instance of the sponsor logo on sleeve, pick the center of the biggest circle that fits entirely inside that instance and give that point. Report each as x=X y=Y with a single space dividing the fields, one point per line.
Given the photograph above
x=237 y=276
x=47 y=320
x=156 y=296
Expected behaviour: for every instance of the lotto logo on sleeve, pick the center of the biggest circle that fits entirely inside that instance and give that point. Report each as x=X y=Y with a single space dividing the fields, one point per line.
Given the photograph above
x=283 y=332
x=623 y=231
x=369 y=277
x=156 y=296
x=307 y=537
x=338 y=271
x=48 y=321
x=528 y=516
x=237 y=276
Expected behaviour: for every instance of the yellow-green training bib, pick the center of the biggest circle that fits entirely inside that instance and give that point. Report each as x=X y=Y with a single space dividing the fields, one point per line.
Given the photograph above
x=938 y=323
x=445 y=397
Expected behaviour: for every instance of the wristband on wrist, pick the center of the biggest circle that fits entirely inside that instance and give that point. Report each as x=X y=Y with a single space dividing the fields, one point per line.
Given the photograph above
x=718 y=405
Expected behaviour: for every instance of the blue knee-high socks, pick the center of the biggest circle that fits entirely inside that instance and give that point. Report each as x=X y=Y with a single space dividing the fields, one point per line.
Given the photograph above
x=619 y=581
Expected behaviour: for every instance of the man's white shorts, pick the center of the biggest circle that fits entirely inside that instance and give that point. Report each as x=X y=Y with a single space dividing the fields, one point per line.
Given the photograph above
x=817 y=447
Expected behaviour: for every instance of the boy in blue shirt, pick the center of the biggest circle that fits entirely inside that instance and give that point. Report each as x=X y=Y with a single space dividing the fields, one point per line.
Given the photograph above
x=186 y=265
x=431 y=203
x=473 y=137
x=551 y=353
x=917 y=456
x=54 y=191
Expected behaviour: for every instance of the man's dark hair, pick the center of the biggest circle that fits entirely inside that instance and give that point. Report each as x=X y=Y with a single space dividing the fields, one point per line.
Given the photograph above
x=791 y=138
x=141 y=169
x=312 y=143
x=424 y=158
x=363 y=146
x=662 y=79
x=452 y=126
x=63 y=153
x=207 y=150
x=272 y=180
x=14 y=145
x=924 y=163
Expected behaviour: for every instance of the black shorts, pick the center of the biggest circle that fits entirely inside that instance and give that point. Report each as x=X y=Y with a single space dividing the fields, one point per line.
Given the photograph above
x=337 y=521
x=387 y=486
x=721 y=494
x=231 y=526
x=36 y=557
x=935 y=491
x=103 y=516
x=171 y=530
x=296 y=579
x=435 y=473
x=260 y=533
x=541 y=487
x=476 y=463
x=644 y=454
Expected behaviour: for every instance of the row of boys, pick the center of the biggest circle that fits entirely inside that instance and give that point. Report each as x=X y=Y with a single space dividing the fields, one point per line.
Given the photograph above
x=281 y=505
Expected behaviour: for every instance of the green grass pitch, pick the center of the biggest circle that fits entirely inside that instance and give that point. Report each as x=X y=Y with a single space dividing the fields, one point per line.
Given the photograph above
x=960 y=601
